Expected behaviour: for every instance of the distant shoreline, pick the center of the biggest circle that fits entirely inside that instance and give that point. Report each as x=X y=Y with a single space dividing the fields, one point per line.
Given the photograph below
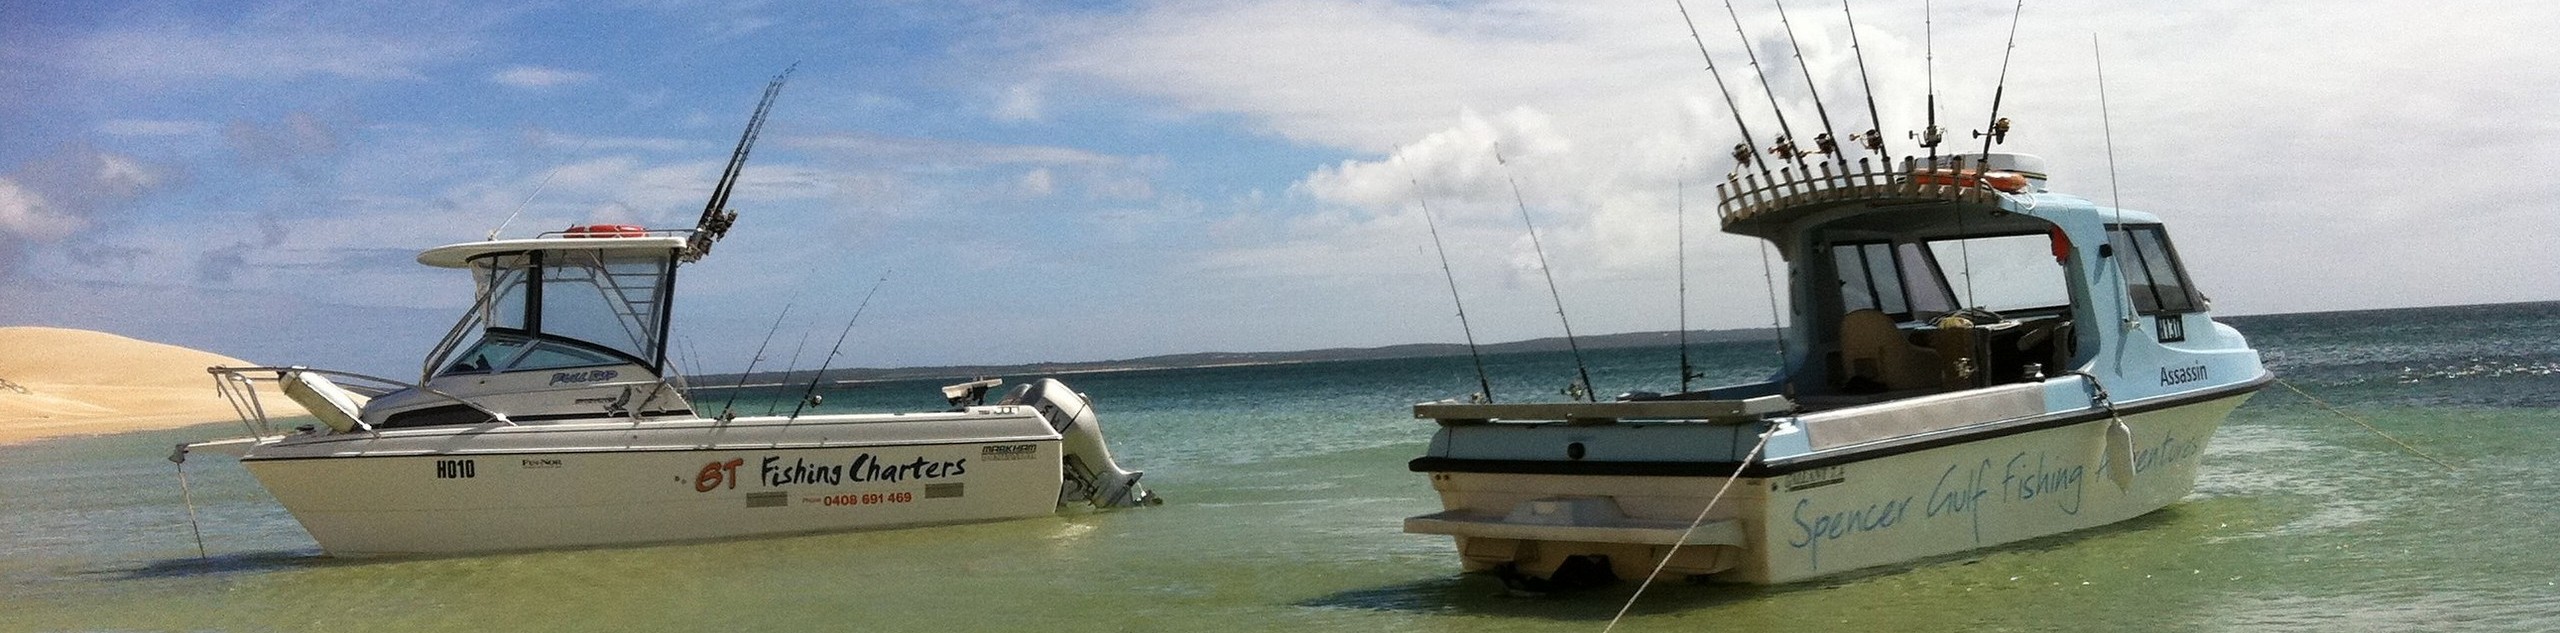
x=1210 y=360
x=1207 y=360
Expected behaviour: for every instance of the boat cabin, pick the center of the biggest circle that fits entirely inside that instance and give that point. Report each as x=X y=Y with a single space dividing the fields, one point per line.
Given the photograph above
x=1962 y=276
x=568 y=325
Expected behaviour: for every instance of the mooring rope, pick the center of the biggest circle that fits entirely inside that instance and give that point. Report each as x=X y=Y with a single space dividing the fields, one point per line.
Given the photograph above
x=190 y=496
x=1747 y=458
x=2367 y=425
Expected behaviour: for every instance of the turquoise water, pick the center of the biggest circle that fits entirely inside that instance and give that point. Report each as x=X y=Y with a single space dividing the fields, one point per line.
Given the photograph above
x=1286 y=488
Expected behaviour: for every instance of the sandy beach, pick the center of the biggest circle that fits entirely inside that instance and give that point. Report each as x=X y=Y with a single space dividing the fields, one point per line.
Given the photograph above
x=77 y=382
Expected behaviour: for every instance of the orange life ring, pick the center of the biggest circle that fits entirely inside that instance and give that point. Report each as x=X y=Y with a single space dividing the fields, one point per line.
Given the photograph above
x=2005 y=181
x=1959 y=178
x=607 y=230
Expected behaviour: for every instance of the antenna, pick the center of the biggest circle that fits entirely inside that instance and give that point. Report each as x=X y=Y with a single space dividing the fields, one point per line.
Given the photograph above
x=1785 y=145
x=716 y=216
x=1874 y=138
x=2106 y=126
x=1930 y=136
x=1828 y=142
x=839 y=347
x=728 y=413
x=1998 y=130
x=1578 y=367
x=1485 y=385
x=1744 y=153
x=537 y=189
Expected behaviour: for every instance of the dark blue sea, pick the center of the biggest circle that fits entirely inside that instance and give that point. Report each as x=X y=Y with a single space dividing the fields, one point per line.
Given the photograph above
x=1286 y=487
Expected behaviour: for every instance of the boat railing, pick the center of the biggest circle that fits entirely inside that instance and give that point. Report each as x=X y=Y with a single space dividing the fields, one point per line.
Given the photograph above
x=616 y=230
x=238 y=386
x=1748 y=196
x=1589 y=413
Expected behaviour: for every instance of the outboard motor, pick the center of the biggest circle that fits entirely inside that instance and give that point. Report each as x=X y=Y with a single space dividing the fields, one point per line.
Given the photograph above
x=1092 y=476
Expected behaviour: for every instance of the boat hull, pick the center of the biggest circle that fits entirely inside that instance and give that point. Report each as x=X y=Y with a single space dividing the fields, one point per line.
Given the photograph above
x=524 y=488
x=1819 y=521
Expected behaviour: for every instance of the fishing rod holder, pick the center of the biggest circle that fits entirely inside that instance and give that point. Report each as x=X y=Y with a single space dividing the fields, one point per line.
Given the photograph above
x=1762 y=198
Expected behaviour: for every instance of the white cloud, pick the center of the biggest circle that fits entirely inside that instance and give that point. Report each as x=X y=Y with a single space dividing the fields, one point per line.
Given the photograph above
x=1037 y=183
x=538 y=77
x=154 y=127
x=2281 y=133
x=25 y=215
x=52 y=200
x=1018 y=103
x=263 y=48
x=944 y=154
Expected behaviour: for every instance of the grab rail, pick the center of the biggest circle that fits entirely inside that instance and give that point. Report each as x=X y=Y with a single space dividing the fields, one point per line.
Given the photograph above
x=238 y=387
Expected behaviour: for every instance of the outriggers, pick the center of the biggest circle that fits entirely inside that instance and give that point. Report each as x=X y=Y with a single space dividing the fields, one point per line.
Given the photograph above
x=561 y=423
x=1972 y=360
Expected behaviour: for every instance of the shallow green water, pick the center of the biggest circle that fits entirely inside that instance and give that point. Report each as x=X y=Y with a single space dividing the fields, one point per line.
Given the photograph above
x=1286 y=487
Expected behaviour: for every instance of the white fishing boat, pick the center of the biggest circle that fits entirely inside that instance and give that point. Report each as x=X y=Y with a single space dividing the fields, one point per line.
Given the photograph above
x=1973 y=360
x=550 y=417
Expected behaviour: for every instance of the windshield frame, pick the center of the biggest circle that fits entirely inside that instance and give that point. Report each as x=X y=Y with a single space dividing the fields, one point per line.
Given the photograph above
x=511 y=304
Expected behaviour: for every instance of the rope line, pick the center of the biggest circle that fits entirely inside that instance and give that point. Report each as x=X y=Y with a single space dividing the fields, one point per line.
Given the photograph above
x=1693 y=528
x=2367 y=425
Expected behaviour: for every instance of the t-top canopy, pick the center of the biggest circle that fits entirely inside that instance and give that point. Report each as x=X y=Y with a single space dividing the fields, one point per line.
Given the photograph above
x=460 y=255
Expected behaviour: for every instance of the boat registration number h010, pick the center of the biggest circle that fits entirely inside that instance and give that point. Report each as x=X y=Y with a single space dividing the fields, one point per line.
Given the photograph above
x=456 y=469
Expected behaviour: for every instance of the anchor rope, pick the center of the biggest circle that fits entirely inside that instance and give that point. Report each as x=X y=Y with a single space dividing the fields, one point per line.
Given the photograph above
x=1747 y=458
x=2367 y=425
x=190 y=496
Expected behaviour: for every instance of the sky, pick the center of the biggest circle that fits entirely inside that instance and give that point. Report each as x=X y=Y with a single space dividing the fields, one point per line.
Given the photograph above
x=1033 y=182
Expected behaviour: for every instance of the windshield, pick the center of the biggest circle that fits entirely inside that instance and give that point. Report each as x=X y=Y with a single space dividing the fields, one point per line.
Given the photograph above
x=559 y=308
x=2010 y=272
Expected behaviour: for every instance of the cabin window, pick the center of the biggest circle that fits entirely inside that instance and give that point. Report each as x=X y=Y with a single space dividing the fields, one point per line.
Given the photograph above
x=549 y=355
x=2153 y=278
x=506 y=308
x=1927 y=295
x=507 y=351
x=2004 y=273
x=494 y=350
x=608 y=302
x=1869 y=278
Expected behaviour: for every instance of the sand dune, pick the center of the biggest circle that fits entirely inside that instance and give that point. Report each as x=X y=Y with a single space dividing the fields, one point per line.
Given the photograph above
x=77 y=382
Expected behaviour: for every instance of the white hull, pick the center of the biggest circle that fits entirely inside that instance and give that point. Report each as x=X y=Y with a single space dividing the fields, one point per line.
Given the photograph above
x=499 y=488
x=1805 y=524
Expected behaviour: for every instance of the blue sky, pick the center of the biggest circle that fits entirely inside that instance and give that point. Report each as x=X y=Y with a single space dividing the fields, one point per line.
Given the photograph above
x=1108 y=180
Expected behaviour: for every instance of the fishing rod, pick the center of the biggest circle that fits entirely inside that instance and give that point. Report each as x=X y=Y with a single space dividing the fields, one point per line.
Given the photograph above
x=1828 y=143
x=806 y=396
x=1785 y=146
x=716 y=215
x=1681 y=237
x=1874 y=138
x=1744 y=153
x=1998 y=130
x=1578 y=367
x=1932 y=135
x=727 y=412
x=787 y=371
x=1485 y=385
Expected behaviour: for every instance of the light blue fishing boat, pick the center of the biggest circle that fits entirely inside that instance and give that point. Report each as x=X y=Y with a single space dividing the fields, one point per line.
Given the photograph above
x=1972 y=360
